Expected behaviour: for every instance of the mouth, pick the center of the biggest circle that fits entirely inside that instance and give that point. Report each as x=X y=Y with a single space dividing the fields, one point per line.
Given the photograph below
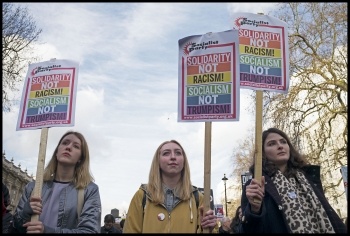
x=281 y=153
x=66 y=154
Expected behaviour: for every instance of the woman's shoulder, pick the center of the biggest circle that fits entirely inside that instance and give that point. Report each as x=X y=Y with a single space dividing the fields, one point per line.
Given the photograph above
x=143 y=187
x=30 y=185
x=139 y=195
x=142 y=190
x=312 y=170
x=92 y=186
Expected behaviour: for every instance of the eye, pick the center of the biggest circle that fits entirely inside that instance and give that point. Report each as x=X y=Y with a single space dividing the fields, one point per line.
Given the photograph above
x=165 y=153
x=271 y=143
x=65 y=142
x=178 y=153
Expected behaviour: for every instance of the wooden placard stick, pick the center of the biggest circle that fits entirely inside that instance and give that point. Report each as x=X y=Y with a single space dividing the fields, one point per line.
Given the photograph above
x=40 y=168
x=207 y=168
x=258 y=135
x=258 y=138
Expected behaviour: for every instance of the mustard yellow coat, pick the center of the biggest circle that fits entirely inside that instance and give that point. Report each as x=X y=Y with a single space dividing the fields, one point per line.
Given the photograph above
x=184 y=217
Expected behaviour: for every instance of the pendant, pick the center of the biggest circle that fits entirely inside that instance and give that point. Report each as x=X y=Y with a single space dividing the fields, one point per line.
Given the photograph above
x=292 y=195
x=161 y=216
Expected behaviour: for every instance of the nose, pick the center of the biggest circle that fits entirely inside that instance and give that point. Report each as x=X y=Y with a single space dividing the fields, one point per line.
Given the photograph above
x=280 y=145
x=172 y=155
x=68 y=147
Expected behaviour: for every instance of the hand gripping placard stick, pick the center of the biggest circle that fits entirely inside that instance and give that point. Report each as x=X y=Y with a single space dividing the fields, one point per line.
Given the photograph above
x=40 y=168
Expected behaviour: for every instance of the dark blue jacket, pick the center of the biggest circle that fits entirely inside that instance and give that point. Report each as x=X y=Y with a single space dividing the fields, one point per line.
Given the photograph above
x=271 y=218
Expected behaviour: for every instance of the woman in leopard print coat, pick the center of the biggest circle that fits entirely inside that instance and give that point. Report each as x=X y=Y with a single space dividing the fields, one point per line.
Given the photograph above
x=290 y=197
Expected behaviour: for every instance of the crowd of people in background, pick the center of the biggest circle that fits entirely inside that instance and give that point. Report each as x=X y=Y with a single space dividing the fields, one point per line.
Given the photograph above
x=231 y=226
x=288 y=198
x=225 y=225
x=236 y=221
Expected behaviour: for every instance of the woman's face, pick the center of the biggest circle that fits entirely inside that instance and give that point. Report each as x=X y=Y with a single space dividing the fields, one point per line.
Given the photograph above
x=109 y=224
x=277 y=150
x=171 y=159
x=69 y=150
x=240 y=213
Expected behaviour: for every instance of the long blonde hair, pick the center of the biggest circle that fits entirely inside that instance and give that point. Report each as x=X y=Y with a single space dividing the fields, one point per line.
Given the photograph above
x=82 y=175
x=154 y=187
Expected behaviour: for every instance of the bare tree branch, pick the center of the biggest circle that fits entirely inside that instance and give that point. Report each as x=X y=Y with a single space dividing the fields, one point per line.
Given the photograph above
x=19 y=32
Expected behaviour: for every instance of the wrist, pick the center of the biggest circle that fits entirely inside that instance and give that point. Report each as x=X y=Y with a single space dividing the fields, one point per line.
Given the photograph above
x=255 y=211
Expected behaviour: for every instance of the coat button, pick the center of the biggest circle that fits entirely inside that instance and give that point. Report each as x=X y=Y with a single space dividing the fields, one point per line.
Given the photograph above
x=280 y=207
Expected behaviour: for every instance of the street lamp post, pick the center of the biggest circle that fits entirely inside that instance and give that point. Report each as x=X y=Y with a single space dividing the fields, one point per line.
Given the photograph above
x=225 y=179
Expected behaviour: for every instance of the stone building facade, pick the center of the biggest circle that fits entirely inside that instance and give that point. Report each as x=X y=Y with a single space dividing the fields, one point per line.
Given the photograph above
x=15 y=179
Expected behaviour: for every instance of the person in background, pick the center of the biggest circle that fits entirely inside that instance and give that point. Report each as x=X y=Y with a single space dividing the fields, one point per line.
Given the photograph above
x=236 y=221
x=289 y=198
x=6 y=214
x=225 y=225
x=121 y=224
x=5 y=199
x=67 y=171
x=170 y=204
x=109 y=227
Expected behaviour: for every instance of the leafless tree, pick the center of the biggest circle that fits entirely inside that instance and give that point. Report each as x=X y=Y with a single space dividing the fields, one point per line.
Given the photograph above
x=19 y=32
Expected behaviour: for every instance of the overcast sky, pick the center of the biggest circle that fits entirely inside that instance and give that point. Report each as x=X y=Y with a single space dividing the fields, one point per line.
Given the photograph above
x=127 y=94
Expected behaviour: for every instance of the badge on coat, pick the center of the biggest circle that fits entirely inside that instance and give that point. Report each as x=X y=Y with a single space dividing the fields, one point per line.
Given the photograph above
x=292 y=195
x=161 y=216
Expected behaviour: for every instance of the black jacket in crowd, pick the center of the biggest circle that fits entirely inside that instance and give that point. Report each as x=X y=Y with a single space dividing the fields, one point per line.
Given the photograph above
x=271 y=218
x=112 y=230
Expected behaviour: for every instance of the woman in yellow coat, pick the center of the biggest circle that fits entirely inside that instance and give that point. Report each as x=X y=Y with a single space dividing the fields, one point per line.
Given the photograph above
x=170 y=204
